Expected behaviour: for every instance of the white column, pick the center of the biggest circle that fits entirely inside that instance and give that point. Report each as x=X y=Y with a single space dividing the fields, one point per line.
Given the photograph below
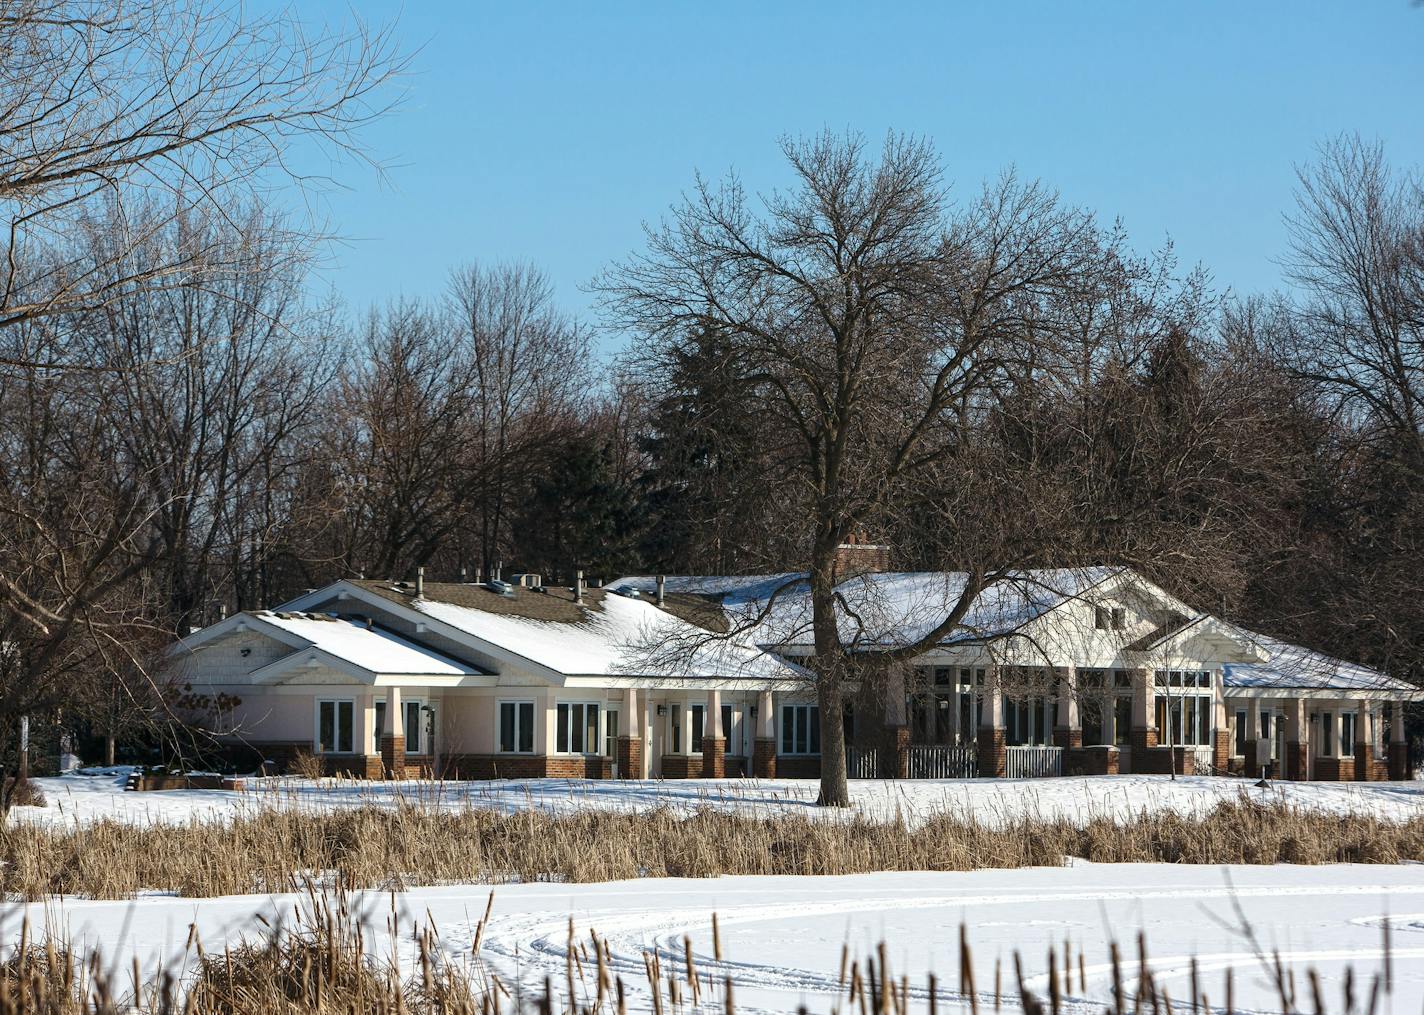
x=394 y=725
x=954 y=692
x=647 y=730
x=712 y=721
x=766 y=716
x=993 y=713
x=1253 y=726
x=1068 y=716
x=1364 y=726
x=1396 y=722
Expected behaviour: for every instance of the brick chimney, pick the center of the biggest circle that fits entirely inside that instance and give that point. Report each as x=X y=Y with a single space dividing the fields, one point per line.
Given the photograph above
x=857 y=555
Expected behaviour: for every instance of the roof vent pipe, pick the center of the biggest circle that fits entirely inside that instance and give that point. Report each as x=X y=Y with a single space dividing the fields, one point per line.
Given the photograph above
x=578 y=586
x=662 y=587
x=419 y=582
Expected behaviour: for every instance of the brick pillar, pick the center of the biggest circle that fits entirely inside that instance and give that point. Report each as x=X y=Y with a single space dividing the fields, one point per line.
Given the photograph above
x=764 y=758
x=714 y=757
x=1297 y=761
x=992 y=756
x=393 y=757
x=630 y=757
x=1221 y=750
x=1067 y=738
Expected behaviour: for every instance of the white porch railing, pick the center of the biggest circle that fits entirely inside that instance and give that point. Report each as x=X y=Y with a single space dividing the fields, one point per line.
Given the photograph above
x=943 y=761
x=862 y=762
x=1033 y=762
x=1203 y=760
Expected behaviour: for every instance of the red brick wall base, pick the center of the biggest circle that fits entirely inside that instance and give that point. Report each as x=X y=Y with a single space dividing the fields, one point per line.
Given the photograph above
x=526 y=766
x=1335 y=769
x=764 y=758
x=1162 y=761
x=1091 y=761
x=992 y=757
x=798 y=766
x=1297 y=764
x=1069 y=738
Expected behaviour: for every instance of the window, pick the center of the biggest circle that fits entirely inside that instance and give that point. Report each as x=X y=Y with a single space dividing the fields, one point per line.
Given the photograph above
x=728 y=729
x=610 y=733
x=576 y=729
x=1327 y=734
x=1347 y=734
x=1242 y=731
x=800 y=729
x=697 y=712
x=1190 y=716
x=675 y=725
x=334 y=723
x=516 y=727
x=1107 y=618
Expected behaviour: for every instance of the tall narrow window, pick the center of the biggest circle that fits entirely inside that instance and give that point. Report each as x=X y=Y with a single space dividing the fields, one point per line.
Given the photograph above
x=516 y=727
x=1347 y=734
x=697 y=712
x=1242 y=732
x=414 y=727
x=1327 y=734
x=675 y=724
x=335 y=721
x=576 y=730
x=800 y=729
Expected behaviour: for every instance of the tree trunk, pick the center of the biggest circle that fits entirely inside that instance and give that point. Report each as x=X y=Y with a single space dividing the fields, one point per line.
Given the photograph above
x=827 y=663
x=109 y=751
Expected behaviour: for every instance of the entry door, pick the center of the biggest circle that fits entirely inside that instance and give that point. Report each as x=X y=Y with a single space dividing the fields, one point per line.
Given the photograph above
x=734 y=729
x=611 y=728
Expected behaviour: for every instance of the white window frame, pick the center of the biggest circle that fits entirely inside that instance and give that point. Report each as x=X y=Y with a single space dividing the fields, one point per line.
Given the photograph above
x=1349 y=721
x=517 y=727
x=581 y=709
x=813 y=729
x=336 y=704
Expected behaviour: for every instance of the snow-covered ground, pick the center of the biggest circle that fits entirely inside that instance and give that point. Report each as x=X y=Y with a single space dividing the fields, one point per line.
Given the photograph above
x=782 y=938
x=84 y=798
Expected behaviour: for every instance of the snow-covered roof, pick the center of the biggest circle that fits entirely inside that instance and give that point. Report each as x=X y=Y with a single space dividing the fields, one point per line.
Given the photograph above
x=614 y=635
x=1296 y=667
x=368 y=648
x=882 y=610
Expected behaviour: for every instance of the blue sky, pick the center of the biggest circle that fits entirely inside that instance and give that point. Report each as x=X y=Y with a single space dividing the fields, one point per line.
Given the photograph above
x=550 y=132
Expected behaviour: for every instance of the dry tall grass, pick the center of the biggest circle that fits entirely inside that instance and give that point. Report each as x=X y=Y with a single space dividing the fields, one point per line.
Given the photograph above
x=324 y=966
x=274 y=850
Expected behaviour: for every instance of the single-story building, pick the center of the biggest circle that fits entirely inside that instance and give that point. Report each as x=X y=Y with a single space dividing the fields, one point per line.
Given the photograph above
x=1090 y=670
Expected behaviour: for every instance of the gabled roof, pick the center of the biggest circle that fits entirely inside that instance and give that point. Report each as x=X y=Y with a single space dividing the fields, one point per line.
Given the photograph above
x=347 y=643
x=1295 y=667
x=605 y=635
x=885 y=609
